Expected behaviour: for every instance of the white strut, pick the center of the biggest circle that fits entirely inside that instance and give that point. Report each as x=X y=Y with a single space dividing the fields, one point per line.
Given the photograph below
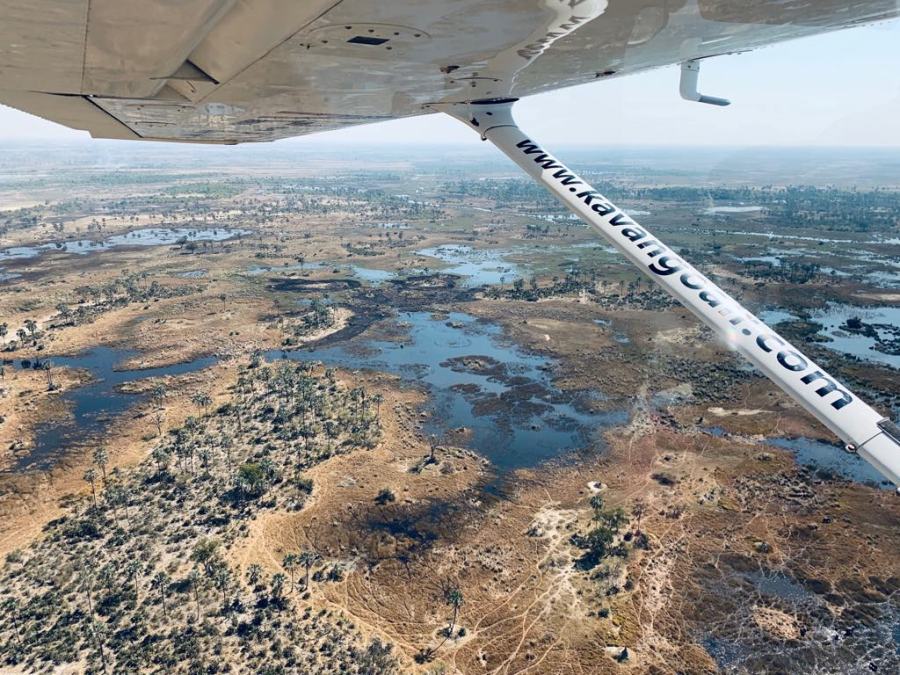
x=860 y=427
x=690 y=75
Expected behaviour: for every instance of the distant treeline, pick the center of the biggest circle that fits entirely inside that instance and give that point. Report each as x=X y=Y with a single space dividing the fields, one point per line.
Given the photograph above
x=799 y=206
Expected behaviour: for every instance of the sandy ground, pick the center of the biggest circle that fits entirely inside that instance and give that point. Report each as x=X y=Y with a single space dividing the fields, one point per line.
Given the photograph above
x=526 y=608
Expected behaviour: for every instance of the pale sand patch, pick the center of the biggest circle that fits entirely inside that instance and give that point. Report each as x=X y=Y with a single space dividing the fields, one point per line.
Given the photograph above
x=678 y=336
x=881 y=297
x=15 y=206
x=777 y=623
x=739 y=412
x=341 y=317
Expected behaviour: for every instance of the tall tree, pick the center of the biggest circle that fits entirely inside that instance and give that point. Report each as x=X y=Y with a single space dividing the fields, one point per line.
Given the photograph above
x=161 y=583
x=11 y=607
x=308 y=558
x=453 y=597
x=101 y=459
x=290 y=563
x=90 y=476
x=278 y=580
x=254 y=574
x=132 y=572
x=195 y=579
x=97 y=632
x=221 y=580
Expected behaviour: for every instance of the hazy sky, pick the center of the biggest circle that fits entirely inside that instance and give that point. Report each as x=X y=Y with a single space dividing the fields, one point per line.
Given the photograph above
x=837 y=89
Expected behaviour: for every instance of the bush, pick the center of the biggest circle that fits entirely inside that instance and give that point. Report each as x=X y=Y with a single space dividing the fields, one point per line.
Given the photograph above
x=385 y=496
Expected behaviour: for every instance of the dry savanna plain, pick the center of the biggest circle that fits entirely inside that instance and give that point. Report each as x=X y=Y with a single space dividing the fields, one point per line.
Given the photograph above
x=299 y=410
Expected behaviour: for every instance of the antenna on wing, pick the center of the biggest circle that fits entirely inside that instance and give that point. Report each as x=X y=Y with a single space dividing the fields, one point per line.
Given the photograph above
x=690 y=74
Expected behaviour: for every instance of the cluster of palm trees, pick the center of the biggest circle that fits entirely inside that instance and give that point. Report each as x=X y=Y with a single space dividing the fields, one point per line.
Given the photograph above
x=29 y=332
x=602 y=540
x=91 y=301
x=305 y=558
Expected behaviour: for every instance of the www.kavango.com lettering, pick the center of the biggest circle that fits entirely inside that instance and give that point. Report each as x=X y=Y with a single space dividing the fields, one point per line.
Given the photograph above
x=663 y=262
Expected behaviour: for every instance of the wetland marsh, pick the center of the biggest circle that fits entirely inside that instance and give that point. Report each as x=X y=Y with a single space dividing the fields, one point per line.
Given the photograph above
x=220 y=364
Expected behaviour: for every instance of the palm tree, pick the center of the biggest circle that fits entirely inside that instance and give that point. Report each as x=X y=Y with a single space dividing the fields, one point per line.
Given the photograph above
x=159 y=416
x=378 y=399
x=308 y=559
x=638 y=510
x=202 y=399
x=161 y=457
x=195 y=580
x=101 y=459
x=254 y=573
x=90 y=476
x=453 y=597
x=115 y=495
x=278 y=586
x=161 y=583
x=87 y=583
x=221 y=578
x=206 y=553
x=47 y=369
x=96 y=631
x=289 y=563
x=131 y=573
x=11 y=607
x=159 y=412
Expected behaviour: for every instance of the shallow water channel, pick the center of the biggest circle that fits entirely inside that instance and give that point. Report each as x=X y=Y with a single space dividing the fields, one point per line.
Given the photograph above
x=501 y=395
x=157 y=236
x=94 y=405
x=884 y=321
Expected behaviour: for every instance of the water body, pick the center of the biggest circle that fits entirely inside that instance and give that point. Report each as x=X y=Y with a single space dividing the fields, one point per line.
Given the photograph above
x=369 y=275
x=834 y=315
x=256 y=270
x=502 y=395
x=863 y=346
x=717 y=210
x=772 y=260
x=776 y=316
x=392 y=226
x=192 y=274
x=883 y=279
x=794 y=237
x=94 y=405
x=145 y=237
x=780 y=586
x=479 y=267
x=830 y=458
x=373 y=276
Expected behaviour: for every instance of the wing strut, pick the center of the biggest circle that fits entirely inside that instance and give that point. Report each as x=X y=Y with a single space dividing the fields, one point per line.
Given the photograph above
x=860 y=427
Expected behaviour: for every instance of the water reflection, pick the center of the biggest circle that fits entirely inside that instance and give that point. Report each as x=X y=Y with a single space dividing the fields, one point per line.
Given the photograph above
x=94 y=405
x=144 y=237
x=501 y=395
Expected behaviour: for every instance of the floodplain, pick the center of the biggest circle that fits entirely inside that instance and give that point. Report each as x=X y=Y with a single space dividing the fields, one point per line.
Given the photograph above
x=287 y=409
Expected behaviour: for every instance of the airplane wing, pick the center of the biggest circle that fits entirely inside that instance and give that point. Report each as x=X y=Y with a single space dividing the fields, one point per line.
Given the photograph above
x=232 y=71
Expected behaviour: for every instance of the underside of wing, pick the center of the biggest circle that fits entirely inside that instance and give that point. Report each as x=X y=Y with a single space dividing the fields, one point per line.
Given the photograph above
x=231 y=71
